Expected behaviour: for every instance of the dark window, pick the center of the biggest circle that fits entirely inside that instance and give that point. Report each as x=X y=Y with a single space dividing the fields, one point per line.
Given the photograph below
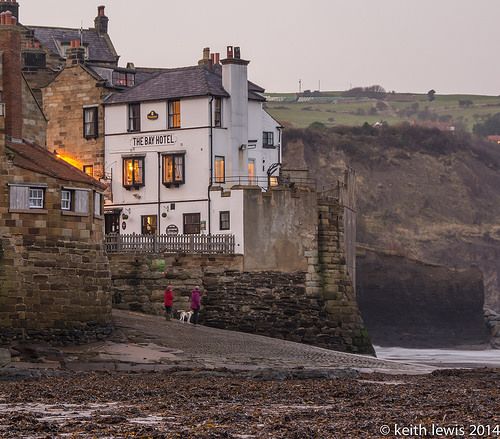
x=148 y=225
x=220 y=169
x=225 y=223
x=112 y=222
x=90 y=122
x=133 y=171
x=34 y=60
x=173 y=169
x=268 y=138
x=191 y=223
x=134 y=117
x=174 y=114
x=218 y=112
x=122 y=79
x=89 y=170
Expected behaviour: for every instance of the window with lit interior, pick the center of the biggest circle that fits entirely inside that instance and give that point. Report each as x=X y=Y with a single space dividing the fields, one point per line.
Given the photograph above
x=174 y=114
x=133 y=172
x=173 y=169
x=220 y=169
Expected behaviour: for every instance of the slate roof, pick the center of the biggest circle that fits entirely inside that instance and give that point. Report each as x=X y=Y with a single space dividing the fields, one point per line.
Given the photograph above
x=173 y=83
x=37 y=159
x=100 y=47
x=180 y=83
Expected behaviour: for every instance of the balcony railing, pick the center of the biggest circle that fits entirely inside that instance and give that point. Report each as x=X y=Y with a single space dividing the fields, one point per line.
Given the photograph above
x=201 y=244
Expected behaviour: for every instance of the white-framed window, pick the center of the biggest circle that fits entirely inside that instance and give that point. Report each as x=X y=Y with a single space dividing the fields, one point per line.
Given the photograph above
x=75 y=201
x=36 y=198
x=66 y=198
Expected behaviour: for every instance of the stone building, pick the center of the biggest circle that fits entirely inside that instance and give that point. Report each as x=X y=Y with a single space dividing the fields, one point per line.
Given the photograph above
x=54 y=275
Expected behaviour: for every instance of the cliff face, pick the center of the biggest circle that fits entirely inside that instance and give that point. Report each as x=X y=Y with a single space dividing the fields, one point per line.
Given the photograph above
x=422 y=194
x=412 y=304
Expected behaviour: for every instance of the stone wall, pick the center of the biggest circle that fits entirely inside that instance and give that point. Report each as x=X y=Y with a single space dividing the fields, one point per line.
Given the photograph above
x=138 y=280
x=34 y=121
x=308 y=297
x=53 y=290
x=279 y=227
x=54 y=272
x=63 y=103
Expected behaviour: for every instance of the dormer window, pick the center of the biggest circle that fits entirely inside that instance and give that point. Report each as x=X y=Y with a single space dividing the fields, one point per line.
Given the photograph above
x=34 y=60
x=123 y=79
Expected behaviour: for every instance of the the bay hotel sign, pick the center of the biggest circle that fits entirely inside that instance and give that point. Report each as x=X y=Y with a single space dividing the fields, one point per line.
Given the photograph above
x=156 y=140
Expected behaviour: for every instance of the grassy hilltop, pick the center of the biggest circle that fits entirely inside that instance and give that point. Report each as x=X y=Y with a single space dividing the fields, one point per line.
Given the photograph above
x=334 y=109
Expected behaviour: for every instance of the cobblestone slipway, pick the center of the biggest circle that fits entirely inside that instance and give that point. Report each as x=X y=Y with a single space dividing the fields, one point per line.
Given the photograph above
x=149 y=343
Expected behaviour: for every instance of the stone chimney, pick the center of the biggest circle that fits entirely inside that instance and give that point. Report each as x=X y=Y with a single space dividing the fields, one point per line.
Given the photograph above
x=235 y=82
x=10 y=75
x=207 y=58
x=10 y=5
x=101 y=21
x=75 y=54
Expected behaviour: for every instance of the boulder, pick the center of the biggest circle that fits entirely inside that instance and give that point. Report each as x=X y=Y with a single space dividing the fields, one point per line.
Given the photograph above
x=4 y=357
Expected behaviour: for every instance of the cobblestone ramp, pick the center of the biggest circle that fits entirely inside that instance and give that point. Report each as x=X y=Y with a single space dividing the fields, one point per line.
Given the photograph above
x=215 y=348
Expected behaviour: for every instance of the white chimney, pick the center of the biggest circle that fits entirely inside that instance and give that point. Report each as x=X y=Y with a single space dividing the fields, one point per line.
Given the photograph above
x=235 y=82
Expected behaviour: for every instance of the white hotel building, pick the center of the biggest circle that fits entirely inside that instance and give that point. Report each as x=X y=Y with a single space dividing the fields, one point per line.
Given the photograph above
x=180 y=144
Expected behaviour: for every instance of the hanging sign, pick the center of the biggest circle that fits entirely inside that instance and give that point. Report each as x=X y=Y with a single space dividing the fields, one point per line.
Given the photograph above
x=159 y=140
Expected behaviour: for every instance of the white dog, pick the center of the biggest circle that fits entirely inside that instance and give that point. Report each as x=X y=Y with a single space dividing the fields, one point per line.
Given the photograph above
x=185 y=316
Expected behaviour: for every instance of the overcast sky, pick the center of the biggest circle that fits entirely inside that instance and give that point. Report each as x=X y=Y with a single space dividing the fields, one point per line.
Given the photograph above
x=403 y=45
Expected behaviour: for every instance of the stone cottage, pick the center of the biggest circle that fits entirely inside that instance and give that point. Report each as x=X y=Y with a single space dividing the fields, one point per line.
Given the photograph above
x=54 y=275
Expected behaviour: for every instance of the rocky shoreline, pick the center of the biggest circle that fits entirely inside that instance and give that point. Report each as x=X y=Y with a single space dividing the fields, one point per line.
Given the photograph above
x=493 y=323
x=175 y=405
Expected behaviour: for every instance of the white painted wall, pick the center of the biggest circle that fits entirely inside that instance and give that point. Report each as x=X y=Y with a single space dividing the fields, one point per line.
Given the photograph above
x=242 y=120
x=234 y=204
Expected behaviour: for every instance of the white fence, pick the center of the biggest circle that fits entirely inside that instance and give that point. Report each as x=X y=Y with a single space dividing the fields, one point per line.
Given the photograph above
x=203 y=244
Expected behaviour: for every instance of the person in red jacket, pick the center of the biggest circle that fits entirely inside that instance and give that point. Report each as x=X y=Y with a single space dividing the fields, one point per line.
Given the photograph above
x=168 y=301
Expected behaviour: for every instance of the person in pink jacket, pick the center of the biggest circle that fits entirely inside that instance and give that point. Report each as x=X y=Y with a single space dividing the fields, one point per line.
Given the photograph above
x=195 y=304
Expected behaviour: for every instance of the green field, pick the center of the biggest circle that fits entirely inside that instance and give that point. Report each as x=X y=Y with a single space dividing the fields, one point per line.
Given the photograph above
x=331 y=109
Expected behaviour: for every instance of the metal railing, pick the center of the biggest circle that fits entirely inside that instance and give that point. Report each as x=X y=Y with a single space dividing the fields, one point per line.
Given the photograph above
x=201 y=244
x=265 y=182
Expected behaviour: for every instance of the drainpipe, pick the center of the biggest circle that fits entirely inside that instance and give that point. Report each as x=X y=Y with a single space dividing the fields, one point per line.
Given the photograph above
x=210 y=112
x=159 y=201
